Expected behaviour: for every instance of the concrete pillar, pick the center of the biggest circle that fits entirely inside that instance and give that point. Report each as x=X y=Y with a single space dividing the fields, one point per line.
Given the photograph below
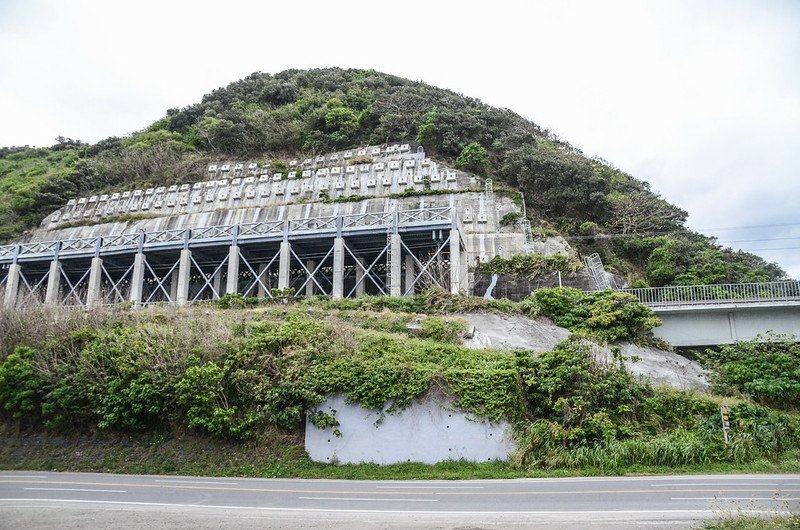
x=455 y=262
x=284 y=262
x=338 y=268
x=53 y=283
x=184 y=277
x=216 y=282
x=409 y=273
x=93 y=295
x=310 y=285
x=263 y=278
x=12 y=285
x=173 y=286
x=137 y=279
x=395 y=269
x=360 y=280
x=232 y=285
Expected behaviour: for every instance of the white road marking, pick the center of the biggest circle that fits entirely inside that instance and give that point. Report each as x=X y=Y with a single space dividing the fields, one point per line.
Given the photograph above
x=583 y=513
x=715 y=484
x=430 y=487
x=77 y=489
x=197 y=482
x=735 y=498
x=425 y=512
x=364 y=499
x=22 y=476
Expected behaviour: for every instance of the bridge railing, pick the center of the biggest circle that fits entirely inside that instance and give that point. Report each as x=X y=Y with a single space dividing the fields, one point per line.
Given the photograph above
x=688 y=295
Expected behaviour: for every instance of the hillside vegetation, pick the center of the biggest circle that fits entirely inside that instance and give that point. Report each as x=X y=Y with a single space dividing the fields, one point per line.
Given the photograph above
x=302 y=112
x=241 y=374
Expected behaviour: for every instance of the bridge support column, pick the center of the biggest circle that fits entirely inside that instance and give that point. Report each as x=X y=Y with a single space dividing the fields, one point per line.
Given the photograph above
x=262 y=292
x=360 y=280
x=53 y=283
x=12 y=285
x=284 y=262
x=455 y=262
x=310 y=265
x=137 y=278
x=184 y=277
x=216 y=281
x=338 y=268
x=93 y=295
x=232 y=285
x=395 y=269
x=409 y=275
x=173 y=286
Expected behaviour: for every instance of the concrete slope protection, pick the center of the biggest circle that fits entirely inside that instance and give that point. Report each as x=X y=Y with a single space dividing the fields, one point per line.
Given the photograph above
x=71 y=500
x=517 y=332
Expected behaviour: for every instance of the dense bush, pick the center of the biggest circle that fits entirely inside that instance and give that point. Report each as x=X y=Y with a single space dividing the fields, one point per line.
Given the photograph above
x=607 y=315
x=768 y=371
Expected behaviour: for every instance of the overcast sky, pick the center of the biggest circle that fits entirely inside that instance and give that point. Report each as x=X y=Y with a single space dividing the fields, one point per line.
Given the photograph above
x=699 y=98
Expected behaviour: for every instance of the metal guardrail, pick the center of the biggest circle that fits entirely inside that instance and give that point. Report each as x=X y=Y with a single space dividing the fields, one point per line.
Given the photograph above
x=176 y=237
x=731 y=293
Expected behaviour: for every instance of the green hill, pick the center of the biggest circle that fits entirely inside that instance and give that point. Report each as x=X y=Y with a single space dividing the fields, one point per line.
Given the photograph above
x=298 y=112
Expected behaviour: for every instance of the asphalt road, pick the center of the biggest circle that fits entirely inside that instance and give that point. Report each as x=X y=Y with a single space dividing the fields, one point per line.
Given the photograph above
x=89 y=500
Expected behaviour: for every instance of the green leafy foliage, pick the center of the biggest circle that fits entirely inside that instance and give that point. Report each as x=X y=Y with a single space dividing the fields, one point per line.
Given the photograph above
x=768 y=371
x=530 y=265
x=20 y=385
x=607 y=315
x=473 y=158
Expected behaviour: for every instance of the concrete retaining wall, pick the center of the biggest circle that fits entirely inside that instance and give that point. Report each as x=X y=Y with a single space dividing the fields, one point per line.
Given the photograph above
x=428 y=431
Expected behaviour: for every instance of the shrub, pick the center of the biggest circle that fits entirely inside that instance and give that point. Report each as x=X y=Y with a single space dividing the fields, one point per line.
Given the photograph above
x=21 y=388
x=767 y=370
x=473 y=158
x=607 y=315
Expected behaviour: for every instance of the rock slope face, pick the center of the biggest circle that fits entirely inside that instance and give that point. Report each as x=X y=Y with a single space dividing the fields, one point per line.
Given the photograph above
x=516 y=332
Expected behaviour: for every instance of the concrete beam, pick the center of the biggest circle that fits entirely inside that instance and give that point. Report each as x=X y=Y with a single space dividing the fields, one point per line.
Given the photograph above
x=395 y=270
x=137 y=279
x=262 y=292
x=310 y=285
x=338 y=268
x=360 y=280
x=284 y=263
x=93 y=294
x=455 y=262
x=232 y=284
x=53 y=292
x=12 y=285
x=184 y=277
x=409 y=274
